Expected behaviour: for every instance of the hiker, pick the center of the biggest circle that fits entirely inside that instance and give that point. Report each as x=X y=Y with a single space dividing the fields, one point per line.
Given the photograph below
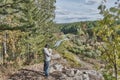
x=47 y=59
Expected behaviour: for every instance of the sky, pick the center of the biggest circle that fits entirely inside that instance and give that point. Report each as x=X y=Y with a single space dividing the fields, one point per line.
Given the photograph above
x=68 y=11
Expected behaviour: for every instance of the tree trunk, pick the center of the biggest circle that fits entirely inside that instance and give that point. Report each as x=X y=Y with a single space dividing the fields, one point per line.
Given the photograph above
x=4 y=44
x=115 y=71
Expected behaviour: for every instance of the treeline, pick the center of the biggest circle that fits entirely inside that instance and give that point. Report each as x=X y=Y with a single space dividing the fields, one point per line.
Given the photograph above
x=78 y=27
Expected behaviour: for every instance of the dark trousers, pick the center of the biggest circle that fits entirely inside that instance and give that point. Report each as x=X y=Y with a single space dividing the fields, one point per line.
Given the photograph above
x=46 y=67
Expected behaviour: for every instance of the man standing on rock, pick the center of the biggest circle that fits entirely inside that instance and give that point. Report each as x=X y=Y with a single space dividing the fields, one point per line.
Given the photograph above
x=47 y=58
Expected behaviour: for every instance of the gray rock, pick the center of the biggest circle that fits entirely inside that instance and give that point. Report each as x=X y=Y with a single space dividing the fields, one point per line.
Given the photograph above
x=85 y=76
x=77 y=72
x=52 y=70
x=68 y=78
x=56 y=56
x=78 y=78
x=56 y=67
x=63 y=77
x=70 y=73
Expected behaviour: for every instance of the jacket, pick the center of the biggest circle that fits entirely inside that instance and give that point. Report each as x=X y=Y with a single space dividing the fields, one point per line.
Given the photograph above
x=47 y=54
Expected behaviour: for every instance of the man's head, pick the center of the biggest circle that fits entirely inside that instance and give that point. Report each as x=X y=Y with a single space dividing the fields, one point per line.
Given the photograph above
x=46 y=46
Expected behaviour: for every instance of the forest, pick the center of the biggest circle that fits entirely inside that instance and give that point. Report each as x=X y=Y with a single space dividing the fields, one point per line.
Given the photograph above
x=27 y=25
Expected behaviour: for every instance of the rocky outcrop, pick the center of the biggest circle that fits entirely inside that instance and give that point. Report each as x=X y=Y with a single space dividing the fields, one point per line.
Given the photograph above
x=73 y=74
x=65 y=74
x=57 y=72
x=76 y=74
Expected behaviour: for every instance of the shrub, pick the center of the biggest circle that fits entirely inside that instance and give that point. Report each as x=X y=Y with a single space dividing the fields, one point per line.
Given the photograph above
x=71 y=59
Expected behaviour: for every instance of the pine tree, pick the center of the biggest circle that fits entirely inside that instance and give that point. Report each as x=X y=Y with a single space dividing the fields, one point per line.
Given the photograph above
x=31 y=21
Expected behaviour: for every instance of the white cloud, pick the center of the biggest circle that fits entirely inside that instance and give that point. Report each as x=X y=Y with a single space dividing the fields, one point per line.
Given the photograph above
x=76 y=10
x=93 y=1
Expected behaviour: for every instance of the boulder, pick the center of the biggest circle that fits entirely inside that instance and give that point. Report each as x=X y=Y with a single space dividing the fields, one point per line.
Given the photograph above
x=70 y=73
x=76 y=74
x=56 y=67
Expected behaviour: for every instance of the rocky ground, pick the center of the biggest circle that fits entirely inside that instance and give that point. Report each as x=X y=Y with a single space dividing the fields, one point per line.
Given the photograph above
x=68 y=74
x=58 y=71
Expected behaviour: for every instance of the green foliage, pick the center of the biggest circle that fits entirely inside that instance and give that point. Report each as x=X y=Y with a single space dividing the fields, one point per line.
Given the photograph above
x=71 y=59
x=108 y=31
x=29 y=25
x=108 y=76
x=70 y=29
x=83 y=46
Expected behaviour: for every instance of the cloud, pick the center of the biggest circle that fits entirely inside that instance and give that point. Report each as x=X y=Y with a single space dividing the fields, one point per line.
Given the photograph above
x=91 y=2
x=77 y=10
x=75 y=17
